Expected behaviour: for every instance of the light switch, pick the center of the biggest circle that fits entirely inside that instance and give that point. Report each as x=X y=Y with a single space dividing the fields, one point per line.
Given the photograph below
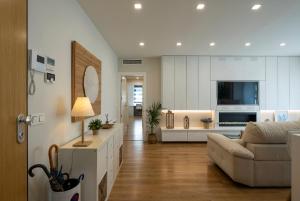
x=37 y=119
x=34 y=119
x=42 y=118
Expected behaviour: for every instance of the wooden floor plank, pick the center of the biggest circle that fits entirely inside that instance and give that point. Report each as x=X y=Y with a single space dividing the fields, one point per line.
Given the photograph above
x=180 y=172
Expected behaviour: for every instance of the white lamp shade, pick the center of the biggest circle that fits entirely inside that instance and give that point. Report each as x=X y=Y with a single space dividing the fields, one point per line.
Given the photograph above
x=82 y=108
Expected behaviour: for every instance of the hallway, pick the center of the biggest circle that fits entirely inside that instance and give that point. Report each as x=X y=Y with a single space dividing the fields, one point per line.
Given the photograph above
x=135 y=129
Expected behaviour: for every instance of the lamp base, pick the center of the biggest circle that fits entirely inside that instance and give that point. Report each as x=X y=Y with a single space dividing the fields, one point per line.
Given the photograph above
x=82 y=144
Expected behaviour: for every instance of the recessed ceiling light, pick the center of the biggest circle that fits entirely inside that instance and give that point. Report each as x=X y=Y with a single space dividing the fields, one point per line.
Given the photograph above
x=123 y=78
x=138 y=6
x=282 y=44
x=212 y=44
x=200 y=6
x=179 y=44
x=247 y=44
x=137 y=78
x=142 y=44
x=256 y=6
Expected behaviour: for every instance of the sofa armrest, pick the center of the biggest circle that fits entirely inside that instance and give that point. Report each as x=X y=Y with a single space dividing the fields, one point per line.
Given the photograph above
x=230 y=146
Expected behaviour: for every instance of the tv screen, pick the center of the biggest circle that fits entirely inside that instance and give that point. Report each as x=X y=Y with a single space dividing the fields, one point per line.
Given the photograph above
x=238 y=93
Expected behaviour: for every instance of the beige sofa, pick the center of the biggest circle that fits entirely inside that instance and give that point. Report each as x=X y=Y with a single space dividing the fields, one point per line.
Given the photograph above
x=260 y=158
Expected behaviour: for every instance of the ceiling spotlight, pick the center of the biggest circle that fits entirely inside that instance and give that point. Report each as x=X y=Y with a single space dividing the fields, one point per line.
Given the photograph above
x=178 y=44
x=200 y=6
x=282 y=44
x=142 y=44
x=256 y=6
x=123 y=78
x=212 y=44
x=248 y=44
x=138 y=6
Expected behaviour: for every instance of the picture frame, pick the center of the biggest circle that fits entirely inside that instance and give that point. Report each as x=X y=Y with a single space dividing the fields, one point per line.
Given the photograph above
x=281 y=116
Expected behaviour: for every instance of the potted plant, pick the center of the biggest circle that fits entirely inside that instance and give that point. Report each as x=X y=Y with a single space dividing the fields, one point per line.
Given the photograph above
x=153 y=118
x=95 y=125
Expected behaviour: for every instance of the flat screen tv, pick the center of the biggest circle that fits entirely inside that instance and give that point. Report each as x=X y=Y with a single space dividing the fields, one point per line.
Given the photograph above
x=238 y=93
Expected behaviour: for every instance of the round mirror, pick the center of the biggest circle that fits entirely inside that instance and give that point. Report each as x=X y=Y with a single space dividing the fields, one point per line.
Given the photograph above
x=91 y=83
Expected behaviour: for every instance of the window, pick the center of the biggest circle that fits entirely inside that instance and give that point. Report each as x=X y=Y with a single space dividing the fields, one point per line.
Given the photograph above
x=137 y=94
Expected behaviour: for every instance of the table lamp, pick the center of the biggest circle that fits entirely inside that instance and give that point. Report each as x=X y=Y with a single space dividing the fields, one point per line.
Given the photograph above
x=81 y=109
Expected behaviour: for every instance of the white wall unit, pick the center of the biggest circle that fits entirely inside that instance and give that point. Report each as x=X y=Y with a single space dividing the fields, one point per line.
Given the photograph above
x=174 y=136
x=278 y=80
x=271 y=83
x=283 y=80
x=94 y=161
x=192 y=88
x=180 y=82
x=204 y=83
x=196 y=134
x=294 y=83
x=262 y=95
x=168 y=82
x=213 y=95
x=237 y=68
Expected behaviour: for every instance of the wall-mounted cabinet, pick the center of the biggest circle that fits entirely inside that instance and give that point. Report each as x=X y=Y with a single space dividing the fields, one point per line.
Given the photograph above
x=186 y=82
x=204 y=83
x=283 y=81
x=237 y=68
x=180 y=83
x=192 y=88
x=271 y=83
x=168 y=82
x=295 y=83
x=190 y=82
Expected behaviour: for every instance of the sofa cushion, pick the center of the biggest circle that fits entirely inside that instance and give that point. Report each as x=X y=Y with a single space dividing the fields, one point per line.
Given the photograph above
x=269 y=132
x=269 y=152
x=230 y=146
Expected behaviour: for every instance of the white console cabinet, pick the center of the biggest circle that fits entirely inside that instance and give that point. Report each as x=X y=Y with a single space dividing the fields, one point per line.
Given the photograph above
x=99 y=162
x=195 y=134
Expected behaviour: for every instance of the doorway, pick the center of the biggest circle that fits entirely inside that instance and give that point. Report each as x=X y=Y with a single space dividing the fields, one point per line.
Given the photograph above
x=133 y=105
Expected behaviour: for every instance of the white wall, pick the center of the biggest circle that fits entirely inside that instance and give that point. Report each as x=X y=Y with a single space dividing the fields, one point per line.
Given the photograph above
x=151 y=66
x=52 y=26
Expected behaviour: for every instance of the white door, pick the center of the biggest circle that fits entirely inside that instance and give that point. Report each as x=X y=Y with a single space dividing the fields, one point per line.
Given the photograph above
x=168 y=75
x=295 y=83
x=192 y=70
x=283 y=83
x=180 y=82
x=271 y=83
x=124 y=107
x=204 y=83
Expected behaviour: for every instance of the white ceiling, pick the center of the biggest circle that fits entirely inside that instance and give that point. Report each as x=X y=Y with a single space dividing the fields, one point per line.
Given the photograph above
x=229 y=23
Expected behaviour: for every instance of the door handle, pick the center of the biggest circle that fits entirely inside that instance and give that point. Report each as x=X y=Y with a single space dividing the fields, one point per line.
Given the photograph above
x=22 y=122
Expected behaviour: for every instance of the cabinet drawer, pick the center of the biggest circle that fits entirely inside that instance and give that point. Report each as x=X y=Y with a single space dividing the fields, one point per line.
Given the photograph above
x=197 y=136
x=174 y=136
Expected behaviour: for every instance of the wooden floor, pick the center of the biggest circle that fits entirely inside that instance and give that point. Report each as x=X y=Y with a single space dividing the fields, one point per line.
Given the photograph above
x=180 y=172
x=135 y=129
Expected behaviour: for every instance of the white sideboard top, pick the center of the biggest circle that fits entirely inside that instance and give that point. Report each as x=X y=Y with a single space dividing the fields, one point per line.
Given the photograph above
x=203 y=129
x=98 y=140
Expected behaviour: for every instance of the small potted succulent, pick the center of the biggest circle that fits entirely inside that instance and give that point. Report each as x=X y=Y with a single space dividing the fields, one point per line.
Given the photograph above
x=206 y=122
x=95 y=125
x=153 y=118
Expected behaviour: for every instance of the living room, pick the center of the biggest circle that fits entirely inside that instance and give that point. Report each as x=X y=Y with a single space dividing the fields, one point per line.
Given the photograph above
x=150 y=100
